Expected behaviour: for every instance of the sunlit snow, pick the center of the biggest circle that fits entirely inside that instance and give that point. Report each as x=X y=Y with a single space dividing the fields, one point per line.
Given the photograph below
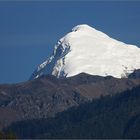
x=88 y=50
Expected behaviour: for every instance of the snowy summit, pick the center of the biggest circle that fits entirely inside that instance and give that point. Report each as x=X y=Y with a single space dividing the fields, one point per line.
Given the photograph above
x=88 y=50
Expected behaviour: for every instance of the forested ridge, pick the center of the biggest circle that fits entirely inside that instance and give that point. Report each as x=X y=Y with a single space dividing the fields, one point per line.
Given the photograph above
x=108 y=117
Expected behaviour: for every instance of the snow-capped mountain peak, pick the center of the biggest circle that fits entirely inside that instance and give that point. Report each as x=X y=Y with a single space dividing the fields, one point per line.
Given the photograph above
x=88 y=50
x=89 y=30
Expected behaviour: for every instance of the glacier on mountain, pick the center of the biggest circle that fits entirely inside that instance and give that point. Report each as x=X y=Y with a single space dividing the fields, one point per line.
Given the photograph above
x=88 y=50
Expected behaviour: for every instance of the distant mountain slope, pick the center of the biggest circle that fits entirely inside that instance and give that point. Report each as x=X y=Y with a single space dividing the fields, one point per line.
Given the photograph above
x=135 y=74
x=88 y=50
x=47 y=95
x=104 y=118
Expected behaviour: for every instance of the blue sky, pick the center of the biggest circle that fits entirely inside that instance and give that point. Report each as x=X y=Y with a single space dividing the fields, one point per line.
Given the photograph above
x=29 y=30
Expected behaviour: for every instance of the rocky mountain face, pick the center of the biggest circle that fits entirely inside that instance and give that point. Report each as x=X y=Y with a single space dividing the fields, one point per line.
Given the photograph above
x=135 y=74
x=46 y=96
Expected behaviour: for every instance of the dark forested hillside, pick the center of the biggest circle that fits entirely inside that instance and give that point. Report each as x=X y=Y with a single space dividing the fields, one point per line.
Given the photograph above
x=108 y=117
x=46 y=96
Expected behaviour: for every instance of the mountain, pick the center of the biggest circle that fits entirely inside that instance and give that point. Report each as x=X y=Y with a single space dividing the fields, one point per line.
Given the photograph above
x=115 y=117
x=135 y=74
x=87 y=88
x=47 y=95
x=88 y=50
